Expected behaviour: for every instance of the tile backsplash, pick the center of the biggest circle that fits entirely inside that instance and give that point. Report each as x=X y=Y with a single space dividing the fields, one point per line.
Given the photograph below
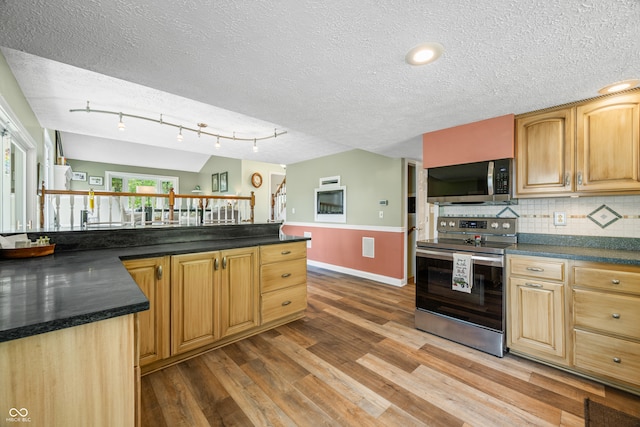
x=614 y=216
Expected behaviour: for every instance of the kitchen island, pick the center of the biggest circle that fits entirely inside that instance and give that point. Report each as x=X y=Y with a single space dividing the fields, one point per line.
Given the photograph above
x=68 y=348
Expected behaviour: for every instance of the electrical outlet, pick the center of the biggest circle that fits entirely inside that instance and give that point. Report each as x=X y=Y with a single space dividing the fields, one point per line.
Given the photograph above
x=381 y=214
x=559 y=218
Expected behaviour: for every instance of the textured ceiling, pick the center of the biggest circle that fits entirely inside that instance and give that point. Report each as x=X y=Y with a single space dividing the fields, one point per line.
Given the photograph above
x=332 y=73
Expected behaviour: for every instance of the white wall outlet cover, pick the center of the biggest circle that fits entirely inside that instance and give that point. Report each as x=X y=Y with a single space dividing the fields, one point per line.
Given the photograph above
x=559 y=218
x=381 y=214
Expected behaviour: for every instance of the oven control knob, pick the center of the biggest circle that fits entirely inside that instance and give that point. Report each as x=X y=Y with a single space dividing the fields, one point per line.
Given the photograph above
x=443 y=223
x=494 y=225
x=452 y=223
x=506 y=225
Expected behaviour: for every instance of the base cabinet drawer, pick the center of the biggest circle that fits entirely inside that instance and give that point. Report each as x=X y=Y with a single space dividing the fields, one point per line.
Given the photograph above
x=283 y=274
x=607 y=356
x=542 y=268
x=284 y=302
x=616 y=314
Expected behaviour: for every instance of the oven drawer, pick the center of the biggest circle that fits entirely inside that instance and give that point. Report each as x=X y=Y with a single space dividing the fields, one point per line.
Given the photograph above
x=537 y=267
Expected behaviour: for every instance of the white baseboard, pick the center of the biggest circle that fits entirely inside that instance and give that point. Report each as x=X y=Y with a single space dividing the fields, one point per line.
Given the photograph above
x=358 y=273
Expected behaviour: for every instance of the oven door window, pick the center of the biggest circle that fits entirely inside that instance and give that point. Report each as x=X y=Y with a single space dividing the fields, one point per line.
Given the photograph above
x=483 y=306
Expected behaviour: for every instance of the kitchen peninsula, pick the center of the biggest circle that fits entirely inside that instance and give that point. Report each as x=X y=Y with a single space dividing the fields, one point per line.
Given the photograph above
x=68 y=321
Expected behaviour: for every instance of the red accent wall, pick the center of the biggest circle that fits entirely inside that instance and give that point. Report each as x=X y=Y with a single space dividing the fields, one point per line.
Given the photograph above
x=343 y=247
x=489 y=139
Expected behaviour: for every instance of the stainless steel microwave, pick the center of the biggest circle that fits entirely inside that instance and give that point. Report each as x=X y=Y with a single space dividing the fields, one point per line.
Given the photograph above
x=488 y=182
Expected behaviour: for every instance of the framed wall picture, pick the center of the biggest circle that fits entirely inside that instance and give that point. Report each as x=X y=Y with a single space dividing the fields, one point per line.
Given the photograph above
x=215 y=183
x=96 y=180
x=79 y=176
x=224 y=185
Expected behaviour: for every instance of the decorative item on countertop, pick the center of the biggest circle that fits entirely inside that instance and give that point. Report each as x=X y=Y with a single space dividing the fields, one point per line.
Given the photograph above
x=19 y=246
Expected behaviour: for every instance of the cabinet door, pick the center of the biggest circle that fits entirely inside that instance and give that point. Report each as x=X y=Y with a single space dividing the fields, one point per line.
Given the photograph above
x=194 y=300
x=240 y=293
x=544 y=153
x=152 y=276
x=608 y=144
x=536 y=323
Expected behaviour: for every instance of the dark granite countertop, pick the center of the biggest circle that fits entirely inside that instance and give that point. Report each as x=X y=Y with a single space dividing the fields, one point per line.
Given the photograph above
x=74 y=287
x=586 y=248
x=614 y=256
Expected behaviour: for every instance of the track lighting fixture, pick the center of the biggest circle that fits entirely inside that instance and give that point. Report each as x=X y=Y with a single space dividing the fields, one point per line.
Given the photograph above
x=198 y=130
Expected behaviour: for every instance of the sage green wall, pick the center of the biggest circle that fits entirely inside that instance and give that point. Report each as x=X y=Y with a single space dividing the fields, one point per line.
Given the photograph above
x=13 y=95
x=368 y=177
x=188 y=180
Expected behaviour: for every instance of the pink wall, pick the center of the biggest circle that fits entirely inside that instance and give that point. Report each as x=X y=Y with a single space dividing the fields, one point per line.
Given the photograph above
x=343 y=248
x=489 y=139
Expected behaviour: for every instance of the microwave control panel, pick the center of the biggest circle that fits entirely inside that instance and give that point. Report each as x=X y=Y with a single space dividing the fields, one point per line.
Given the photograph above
x=501 y=180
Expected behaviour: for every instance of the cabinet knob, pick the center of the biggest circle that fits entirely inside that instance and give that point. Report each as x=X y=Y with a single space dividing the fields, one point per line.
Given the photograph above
x=617 y=360
x=224 y=262
x=285 y=303
x=159 y=272
x=615 y=315
x=567 y=179
x=285 y=252
x=216 y=264
x=285 y=275
x=615 y=281
x=579 y=178
x=538 y=269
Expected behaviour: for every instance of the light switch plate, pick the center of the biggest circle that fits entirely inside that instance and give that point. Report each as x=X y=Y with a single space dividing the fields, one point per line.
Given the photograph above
x=559 y=218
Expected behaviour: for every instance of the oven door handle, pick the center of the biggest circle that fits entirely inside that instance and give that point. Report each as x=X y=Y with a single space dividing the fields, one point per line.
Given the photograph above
x=493 y=261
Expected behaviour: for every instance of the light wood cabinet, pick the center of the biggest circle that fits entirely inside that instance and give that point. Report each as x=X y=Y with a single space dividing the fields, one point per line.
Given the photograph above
x=545 y=153
x=283 y=280
x=240 y=292
x=579 y=315
x=202 y=300
x=606 y=321
x=195 y=292
x=536 y=307
x=152 y=276
x=82 y=375
x=608 y=144
x=591 y=148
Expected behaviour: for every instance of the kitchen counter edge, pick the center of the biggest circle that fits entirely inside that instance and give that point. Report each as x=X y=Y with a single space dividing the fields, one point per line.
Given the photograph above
x=82 y=287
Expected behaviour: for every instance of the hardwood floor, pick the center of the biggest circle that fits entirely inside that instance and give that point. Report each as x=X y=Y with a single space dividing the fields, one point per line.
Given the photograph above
x=357 y=360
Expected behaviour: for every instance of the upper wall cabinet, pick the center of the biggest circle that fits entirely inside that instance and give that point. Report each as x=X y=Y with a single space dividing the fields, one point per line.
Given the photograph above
x=589 y=149
x=608 y=144
x=545 y=153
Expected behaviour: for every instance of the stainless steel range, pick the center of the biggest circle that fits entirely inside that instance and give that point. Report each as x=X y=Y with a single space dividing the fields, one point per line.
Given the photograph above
x=460 y=281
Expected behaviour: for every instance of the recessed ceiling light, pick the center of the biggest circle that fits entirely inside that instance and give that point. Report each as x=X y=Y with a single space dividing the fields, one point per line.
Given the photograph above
x=618 y=86
x=424 y=53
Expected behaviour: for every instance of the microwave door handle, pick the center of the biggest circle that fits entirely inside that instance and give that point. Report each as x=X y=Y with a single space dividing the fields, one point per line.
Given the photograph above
x=490 y=179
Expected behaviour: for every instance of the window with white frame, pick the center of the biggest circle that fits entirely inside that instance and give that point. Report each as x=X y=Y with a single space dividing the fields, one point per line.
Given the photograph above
x=128 y=182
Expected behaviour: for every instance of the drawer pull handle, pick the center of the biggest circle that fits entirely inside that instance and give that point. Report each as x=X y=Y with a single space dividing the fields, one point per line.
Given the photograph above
x=538 y=269
x=615 y=315
x=533 y=285
x=216 y=264
x=285 y=275
x=617 y=360
x=285 y=252
x=615 y=281
x=285 y=303
x=159 y=272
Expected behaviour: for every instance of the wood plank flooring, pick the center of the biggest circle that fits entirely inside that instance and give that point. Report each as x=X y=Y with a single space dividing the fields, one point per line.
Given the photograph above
x=357 y=360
